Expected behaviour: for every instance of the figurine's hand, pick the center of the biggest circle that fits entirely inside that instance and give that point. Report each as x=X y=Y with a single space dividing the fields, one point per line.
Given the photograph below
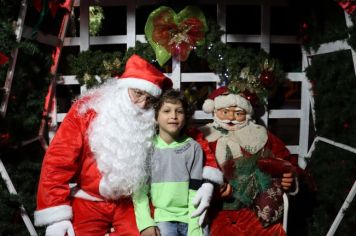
x=287 y=181
x=225 y=191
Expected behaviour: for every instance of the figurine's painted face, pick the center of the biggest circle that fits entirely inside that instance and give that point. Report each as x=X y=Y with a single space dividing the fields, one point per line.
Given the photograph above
x=230 y=118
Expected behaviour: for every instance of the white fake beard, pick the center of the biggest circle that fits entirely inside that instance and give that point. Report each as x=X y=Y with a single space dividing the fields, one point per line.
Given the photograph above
x=120 y=136
x=226 y=124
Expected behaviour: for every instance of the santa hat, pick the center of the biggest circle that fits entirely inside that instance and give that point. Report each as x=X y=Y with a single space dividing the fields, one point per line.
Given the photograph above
x=221 y=98
x=140 y=74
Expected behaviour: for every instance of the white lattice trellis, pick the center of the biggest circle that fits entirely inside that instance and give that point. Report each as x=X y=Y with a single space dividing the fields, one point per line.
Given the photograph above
x=265 y=39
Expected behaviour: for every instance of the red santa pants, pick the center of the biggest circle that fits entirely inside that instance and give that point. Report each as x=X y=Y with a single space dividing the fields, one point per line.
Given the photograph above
x=241 y=223
x=92 y=218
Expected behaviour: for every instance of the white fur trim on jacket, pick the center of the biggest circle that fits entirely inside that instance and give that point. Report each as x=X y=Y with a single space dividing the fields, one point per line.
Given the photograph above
x=213 y=174
x=51 y=215
x=141 y=84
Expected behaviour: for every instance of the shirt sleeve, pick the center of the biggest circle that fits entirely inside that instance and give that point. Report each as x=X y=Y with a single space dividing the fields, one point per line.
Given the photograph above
x=142 y=209
x=194 y=229
x=196 y=168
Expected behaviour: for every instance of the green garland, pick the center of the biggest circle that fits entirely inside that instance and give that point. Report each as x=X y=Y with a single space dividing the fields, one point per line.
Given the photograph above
x=239 y=68
x=94 y=67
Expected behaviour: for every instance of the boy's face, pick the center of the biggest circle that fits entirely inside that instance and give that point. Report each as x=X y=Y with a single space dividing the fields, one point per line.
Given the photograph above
x=171 y=119
x=229 y=117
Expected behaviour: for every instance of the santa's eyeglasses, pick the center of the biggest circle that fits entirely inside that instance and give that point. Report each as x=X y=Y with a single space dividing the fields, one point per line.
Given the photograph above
x=140 y=96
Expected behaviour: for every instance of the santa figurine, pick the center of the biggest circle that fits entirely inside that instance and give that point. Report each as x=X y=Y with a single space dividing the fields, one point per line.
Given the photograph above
x=256 y=167
x=102 y=146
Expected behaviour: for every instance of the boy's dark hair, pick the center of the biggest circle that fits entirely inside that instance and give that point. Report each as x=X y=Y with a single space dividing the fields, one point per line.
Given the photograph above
x=174 y=96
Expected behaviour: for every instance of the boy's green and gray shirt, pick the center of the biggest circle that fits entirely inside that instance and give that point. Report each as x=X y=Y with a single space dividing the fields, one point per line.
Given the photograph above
x=176 y=174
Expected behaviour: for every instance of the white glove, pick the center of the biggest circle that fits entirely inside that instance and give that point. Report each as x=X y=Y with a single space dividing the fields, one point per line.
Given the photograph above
x=60 y=228
x=202 y=201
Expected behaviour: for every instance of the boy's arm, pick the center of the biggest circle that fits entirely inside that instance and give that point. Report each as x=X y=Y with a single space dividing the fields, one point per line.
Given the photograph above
x=142 y=209
x=194 y=228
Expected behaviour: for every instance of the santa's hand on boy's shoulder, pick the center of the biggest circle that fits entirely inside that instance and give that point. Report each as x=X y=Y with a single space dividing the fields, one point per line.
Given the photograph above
x=151 y=231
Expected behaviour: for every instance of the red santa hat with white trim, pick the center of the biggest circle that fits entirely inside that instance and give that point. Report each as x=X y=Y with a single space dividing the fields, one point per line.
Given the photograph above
x=222 y=97
x=140 y=74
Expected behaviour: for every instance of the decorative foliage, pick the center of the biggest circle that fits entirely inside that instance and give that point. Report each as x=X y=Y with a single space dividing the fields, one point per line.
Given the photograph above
x=96 y=17
x=333 y=168
x=322 y=22
x=22 y=121
x=333 y=87
x=243 y=70
x=94 y=67
x=334 y=171
x=172 y=34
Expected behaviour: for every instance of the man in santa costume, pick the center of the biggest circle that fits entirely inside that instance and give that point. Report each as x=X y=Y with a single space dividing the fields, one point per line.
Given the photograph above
x=250 y=202
x=102 y=145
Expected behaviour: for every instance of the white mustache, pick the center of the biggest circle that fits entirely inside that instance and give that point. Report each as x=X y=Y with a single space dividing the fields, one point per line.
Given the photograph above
x=235 y=122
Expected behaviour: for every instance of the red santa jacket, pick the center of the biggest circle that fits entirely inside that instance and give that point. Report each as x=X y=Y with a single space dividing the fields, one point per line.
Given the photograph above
x=68 y=159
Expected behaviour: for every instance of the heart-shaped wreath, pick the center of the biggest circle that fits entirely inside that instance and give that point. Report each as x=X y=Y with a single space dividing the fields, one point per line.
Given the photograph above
x=171 y=34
